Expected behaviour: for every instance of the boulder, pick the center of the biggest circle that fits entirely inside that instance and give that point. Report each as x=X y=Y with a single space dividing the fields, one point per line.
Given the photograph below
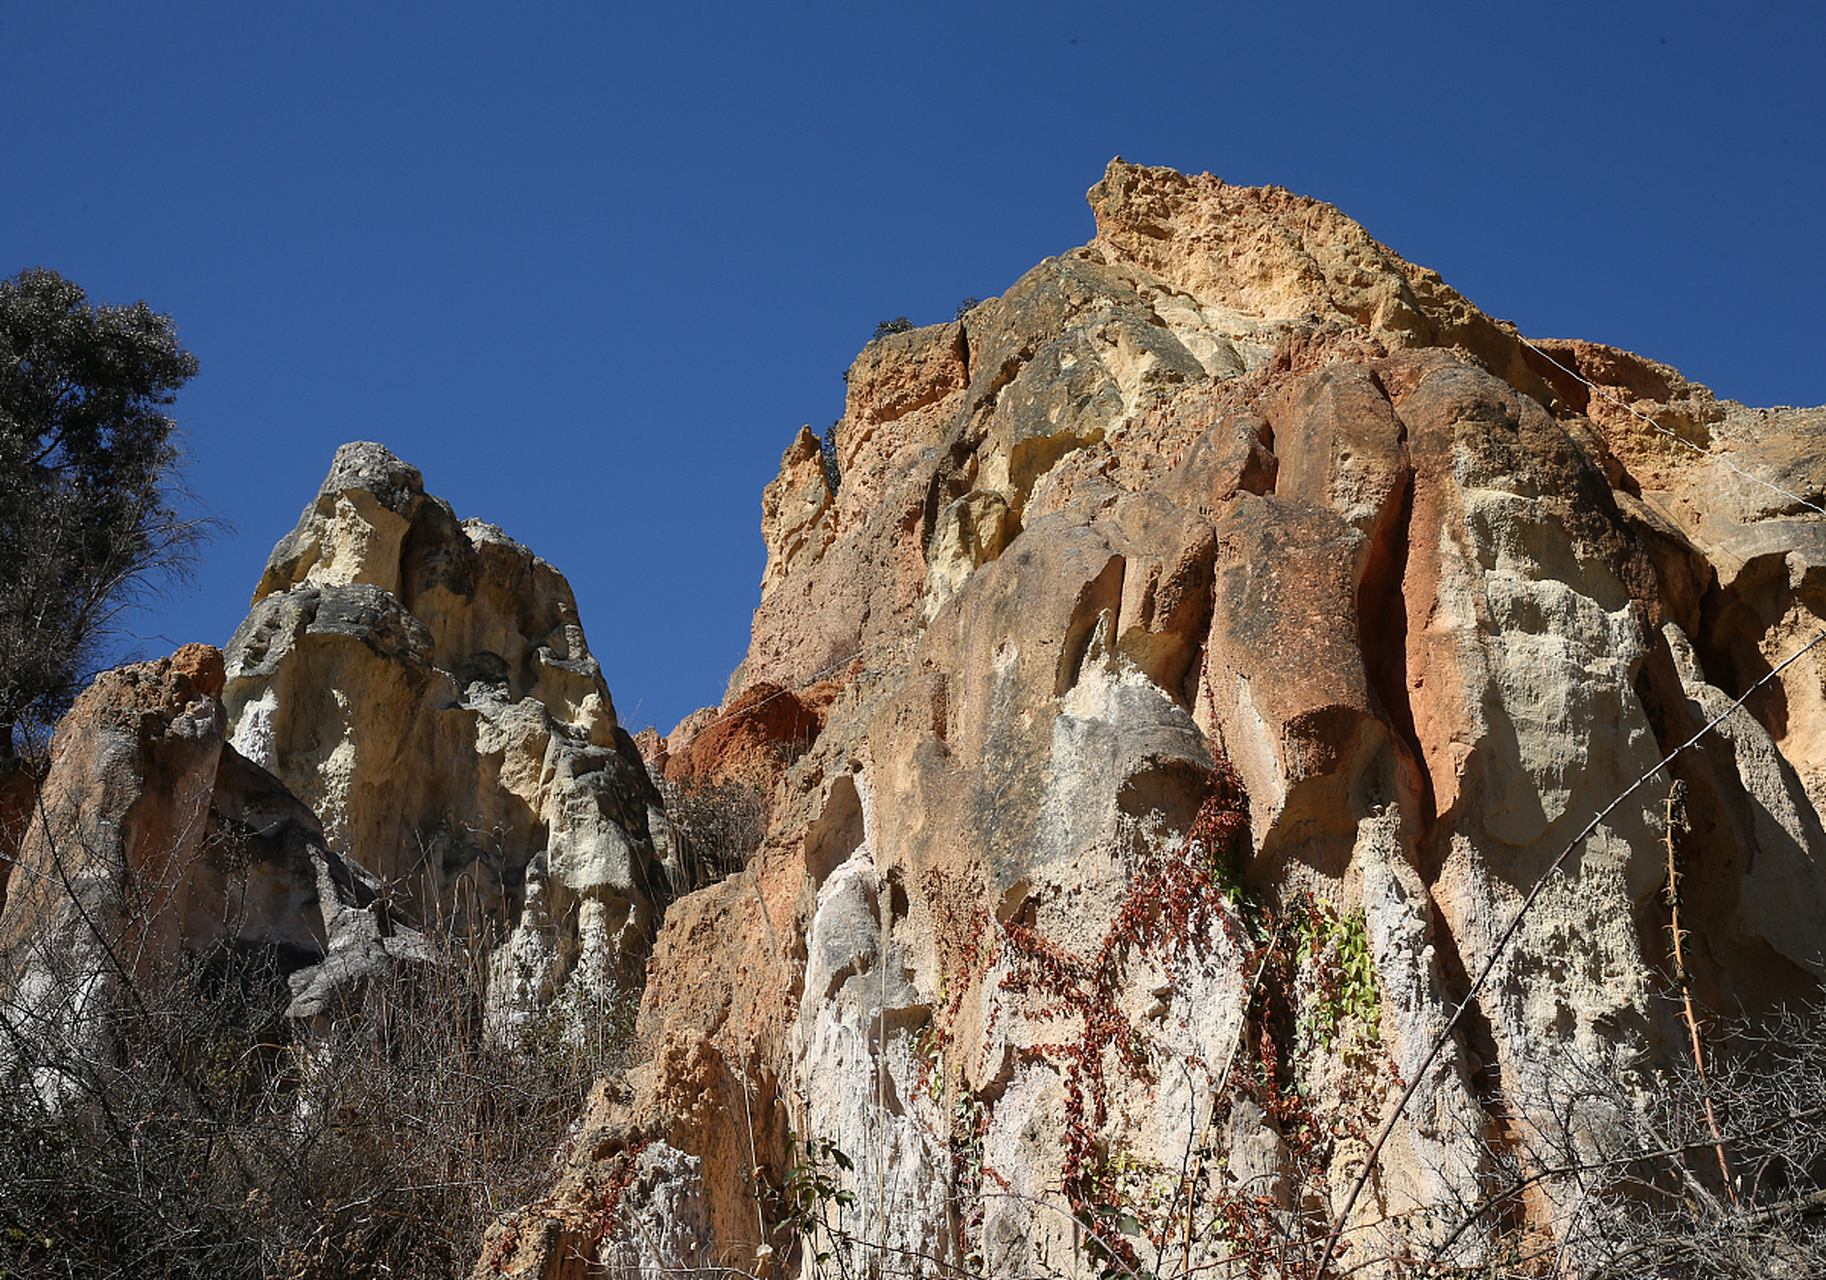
x=155 y=846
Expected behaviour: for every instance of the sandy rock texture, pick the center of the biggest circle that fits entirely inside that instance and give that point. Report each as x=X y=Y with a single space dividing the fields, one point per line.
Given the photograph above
x=153 y=838
x=424 y=685
x=1215 y=638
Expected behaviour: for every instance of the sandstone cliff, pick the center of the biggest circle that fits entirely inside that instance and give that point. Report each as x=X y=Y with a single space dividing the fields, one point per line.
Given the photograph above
x=1216 y=637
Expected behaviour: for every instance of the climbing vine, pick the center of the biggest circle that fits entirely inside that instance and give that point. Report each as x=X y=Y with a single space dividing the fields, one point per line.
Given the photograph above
x=1312 y=989
x=1175 y=902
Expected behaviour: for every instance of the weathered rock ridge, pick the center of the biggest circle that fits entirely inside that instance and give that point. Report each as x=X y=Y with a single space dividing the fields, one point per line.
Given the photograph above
x=1229 y=559
x=408 y=733
x=328 y=931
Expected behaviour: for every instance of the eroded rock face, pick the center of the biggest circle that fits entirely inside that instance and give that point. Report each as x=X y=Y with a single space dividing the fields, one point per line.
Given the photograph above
x=153 y=840
x=425 y=686
x=1232 y=557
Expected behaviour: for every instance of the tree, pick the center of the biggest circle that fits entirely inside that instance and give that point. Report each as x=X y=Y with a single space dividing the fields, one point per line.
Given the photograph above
x=90 y=471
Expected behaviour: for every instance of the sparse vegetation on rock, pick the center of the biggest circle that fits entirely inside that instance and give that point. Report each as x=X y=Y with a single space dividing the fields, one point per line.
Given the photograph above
x=827 y=445
x=197 y=1132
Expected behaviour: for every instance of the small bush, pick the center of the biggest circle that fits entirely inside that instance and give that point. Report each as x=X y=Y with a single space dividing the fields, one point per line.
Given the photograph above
x=827 y=447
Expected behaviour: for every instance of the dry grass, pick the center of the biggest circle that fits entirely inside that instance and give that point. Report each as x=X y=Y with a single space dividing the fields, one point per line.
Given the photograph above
x=196 y=1133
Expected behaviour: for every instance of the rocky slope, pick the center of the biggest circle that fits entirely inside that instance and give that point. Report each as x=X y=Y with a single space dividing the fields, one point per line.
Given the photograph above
x=1213 y=640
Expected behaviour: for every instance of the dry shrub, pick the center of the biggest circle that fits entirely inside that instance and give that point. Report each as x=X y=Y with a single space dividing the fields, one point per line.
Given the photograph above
x=1594 y=1183
x=198 y=1134
x=720 y=824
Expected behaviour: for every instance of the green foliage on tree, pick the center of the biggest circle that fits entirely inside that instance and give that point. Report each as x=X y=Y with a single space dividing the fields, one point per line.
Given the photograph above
x=90 y=471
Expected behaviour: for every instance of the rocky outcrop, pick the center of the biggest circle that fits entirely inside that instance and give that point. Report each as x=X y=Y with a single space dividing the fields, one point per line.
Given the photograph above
x=408 y=733
x=1224 y=631
x=155 y=840
x=425 y=686
x=763 y=729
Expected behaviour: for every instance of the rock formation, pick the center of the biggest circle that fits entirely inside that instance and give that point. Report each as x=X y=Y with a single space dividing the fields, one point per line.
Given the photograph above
x=1216 y=638
x=152 y=838
x=1212 y=644
x=408 y=733
x=424 y=685
x=308 y=950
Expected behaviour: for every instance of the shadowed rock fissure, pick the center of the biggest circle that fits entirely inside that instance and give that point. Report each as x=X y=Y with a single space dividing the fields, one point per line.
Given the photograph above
x=1382 y=630
x=1734 y=622
x=1475 y=1033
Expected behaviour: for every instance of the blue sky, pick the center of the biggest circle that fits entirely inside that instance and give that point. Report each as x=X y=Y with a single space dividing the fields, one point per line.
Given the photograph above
x=589 y=267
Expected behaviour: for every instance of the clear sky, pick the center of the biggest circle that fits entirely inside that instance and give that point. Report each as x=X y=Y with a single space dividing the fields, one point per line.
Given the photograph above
x=590 y=266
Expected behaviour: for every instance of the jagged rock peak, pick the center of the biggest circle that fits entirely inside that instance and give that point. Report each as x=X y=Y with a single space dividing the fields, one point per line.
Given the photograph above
x=365 y=479
x=489 y=607
x=424 y=683
x=1282 y=260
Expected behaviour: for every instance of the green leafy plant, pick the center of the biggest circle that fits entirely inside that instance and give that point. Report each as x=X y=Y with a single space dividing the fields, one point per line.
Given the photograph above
x=1334 y=950
x=90 y=485
x=808 y=1190
x=1129 y=1199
